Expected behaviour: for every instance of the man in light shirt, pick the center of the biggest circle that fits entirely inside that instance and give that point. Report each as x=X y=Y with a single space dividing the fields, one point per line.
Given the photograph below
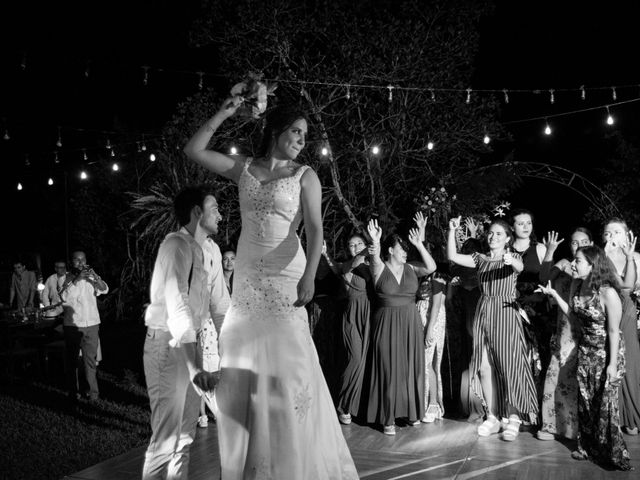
x=81 y=324
x=50 y=295
x=23 y=286
x=186 y=287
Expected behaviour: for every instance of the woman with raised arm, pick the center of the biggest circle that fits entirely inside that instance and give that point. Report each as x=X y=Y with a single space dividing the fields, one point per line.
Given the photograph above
x=594 y=298
x=500 y=374
x=560 y=396
x=276 y=418
x=397 y=345
x=431 y=299
x=620 y=244
x=356 y=275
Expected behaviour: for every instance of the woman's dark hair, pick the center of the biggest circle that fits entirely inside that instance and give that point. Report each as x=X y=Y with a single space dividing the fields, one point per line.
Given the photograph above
x=584 y=230
x=189 y=197
x=507 y=229
x=471 y=245
x=603 y=271
x=390 y=242
x=277 y=121
x=523 y=211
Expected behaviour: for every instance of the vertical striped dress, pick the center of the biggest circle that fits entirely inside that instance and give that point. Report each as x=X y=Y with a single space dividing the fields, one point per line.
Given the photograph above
x=498 y=328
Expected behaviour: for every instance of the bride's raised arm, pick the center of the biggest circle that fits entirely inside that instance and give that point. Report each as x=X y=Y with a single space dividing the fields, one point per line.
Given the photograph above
x=216 y=162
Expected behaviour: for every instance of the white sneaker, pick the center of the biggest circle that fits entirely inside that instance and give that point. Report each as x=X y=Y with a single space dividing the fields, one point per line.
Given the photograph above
x=203 y=421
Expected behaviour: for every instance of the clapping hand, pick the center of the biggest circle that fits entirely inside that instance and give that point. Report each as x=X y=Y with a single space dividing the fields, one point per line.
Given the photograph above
x=421 y=223
x=551 y=241
x=454 y=223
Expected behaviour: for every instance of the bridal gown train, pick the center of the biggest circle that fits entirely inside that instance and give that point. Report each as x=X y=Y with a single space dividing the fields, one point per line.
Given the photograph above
x=276 y=418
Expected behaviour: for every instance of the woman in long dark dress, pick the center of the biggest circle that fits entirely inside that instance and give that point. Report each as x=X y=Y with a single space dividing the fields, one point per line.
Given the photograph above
x=356 y=275
x=620 y=248
x=499 y=373
x=397 y=344
x=595 y=300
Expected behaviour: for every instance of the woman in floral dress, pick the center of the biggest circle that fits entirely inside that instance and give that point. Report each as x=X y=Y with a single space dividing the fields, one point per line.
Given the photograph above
x=560 y=398
x=595 y=299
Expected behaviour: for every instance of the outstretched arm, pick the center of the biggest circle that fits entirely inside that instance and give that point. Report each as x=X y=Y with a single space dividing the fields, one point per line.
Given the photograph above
x=551 y=243
x=429 y=265
x=216 y=162
x=452 y=252
x=376 y=265
x=549 y=290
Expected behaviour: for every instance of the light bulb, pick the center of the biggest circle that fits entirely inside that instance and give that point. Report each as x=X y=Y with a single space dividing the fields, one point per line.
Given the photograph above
x=115 y=167
x=19 y=186
x=6 y=134
x=83 y=175
x=430 y=145
x=50 y=182
x=143 y=147
x=113 y=153
x=547 y=130
x=486 y=139
x=375 y=150
x=324 y=151
x=152 y=157
x=233 y=150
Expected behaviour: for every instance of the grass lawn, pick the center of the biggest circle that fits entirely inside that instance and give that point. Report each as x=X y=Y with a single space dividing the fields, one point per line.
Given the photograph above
x=41 y=438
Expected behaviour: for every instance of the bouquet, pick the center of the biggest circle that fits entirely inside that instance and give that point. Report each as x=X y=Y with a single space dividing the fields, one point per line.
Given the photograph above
x=254 y=93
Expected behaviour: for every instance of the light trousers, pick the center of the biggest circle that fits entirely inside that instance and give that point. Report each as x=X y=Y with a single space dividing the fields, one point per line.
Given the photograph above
x=174 y=409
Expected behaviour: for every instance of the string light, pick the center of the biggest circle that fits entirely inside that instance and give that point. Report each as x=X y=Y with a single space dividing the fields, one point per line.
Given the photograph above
x=108 y=145
x=152 y=157
x=486 y=138
x=552 y=97
x=375 y=150
x=233 y=151
x=83 y=175
x=6 y=134
x=84 y=154
x=506 y=95
x=430 y=145
x=614 y=96
x=144 y=146
x=138 y=146
x=348 y=94
x=433 y=94
x=390 y=87
x=468 y=101
x=145 y=79
x=50 y=181
x=610 y=120
x=583 y=93
x=59 y=142
x=547 y=129
x=56 y=160
x=115 y=167
x=200 y=80
x=27 y=162
x=87 y=69
x=324 y=152
x=19 y=186
x=113 y=153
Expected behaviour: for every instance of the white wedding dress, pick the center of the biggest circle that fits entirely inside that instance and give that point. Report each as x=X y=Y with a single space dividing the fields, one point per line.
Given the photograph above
x=276 y=418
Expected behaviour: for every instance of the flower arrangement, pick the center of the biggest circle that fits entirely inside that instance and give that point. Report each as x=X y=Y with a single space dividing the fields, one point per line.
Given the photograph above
x=254 y=92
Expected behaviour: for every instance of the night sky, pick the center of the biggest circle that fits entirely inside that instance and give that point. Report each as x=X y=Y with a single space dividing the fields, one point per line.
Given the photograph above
x=83 y=69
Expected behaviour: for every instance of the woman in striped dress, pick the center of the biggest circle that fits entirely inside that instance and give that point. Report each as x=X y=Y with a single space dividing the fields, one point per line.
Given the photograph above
x=500 y=374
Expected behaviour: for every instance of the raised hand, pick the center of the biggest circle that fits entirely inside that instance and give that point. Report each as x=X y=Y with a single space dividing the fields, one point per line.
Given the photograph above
x=454 y=223
x=230 y=106
x=414 y=237
x=551 y=241
x=421 y=223
x=546 y=289
x=375 y=232
x=630 y=245
x=472 y=226
x=507 y=257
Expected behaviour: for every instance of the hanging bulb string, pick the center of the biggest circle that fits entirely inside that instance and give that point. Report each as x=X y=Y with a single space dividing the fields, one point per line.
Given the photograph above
x=572 y=112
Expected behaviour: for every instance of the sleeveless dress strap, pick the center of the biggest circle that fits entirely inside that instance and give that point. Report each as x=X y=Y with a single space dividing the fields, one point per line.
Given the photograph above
x=300 y=171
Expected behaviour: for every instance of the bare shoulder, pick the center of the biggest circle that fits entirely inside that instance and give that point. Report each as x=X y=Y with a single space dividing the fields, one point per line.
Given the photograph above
x=309 y=177
x=609 y=295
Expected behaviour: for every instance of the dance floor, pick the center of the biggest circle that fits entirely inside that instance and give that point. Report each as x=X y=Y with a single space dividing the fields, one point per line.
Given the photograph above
x=443 y=450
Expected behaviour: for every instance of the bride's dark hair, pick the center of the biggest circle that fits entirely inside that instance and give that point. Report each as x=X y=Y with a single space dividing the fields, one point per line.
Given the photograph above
x=603 y=272
x=277 y=121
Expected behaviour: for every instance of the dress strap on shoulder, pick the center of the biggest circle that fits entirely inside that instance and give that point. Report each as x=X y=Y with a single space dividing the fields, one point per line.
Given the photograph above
x=301 y=170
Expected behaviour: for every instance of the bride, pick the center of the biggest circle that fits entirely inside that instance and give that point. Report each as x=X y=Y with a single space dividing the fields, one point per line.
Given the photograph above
x=276 y=418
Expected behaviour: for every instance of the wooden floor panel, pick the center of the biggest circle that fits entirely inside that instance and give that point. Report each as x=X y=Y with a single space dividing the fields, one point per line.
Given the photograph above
x=449 y=449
